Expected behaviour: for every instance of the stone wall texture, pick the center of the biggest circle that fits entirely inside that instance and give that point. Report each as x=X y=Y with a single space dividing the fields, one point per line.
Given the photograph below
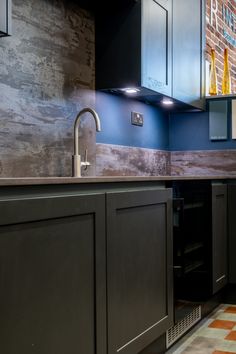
x=117 y=160
x=203 y=163
x=215 y=27
x=47 y=73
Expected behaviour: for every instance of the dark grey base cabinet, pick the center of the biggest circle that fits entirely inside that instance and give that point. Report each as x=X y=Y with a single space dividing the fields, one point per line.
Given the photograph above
x=232 y=231
x=219 y=237
x=68 y=286
x=52 y=262
x=139 y=269
x=200 y=239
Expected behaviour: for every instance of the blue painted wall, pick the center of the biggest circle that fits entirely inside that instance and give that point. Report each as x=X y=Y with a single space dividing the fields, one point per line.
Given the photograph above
x=190 y=131
x=115 y=115
x=174 y=132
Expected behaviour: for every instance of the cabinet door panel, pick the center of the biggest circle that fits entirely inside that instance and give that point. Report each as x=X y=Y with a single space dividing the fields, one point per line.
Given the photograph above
x=48 y=280
x=188 y=54
x=232 y=232
x=219 y=236
x=139 y=269
x=156 y=45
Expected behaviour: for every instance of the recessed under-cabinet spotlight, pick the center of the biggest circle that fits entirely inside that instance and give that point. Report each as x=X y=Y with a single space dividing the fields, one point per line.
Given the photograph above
x=167 y=101
x=131 y=90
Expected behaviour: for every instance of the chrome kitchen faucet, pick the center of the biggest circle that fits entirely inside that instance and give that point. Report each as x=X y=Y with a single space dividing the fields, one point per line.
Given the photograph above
x=76 y=158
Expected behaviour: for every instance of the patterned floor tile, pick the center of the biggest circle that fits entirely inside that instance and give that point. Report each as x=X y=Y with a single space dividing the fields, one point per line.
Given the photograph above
x=226 y=316
x=216 y=334
x=227 y=346
x=230 y=309
x=231 y=336
x=220 y=352
x=223 y=324
x=213 y=333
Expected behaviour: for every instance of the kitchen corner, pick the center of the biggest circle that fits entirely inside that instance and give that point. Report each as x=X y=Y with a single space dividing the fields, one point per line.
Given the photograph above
x=117 y=177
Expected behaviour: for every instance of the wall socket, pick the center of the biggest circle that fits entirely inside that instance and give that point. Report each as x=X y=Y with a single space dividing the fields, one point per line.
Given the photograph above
x=137 y=118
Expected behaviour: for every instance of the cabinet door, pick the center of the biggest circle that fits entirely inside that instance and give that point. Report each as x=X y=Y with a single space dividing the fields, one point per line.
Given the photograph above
x=49 y=250
x=219 y=237
x=232 y=232
x=5 y=17
x=157 y=45
x=188 y=51
x=139 y=268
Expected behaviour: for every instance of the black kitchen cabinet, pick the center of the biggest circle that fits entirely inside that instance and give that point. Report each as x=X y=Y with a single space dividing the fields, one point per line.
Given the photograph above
x=5 y=17
x=155 y=46
x=192 y=240
x=219 y=237
x=139 y=268
x=52 y=278
x=188 y=51
x=232 y=232
x=85 y=269
x=133 y=47
x=200 y=239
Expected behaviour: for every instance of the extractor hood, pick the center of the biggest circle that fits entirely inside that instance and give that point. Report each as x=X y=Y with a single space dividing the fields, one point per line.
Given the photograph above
x=5 y=17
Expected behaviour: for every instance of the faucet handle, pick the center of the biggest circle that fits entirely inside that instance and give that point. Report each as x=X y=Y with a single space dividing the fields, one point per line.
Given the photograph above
x=85 y=163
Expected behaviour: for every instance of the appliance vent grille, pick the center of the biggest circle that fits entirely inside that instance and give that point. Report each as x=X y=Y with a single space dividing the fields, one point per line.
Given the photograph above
x=182 y=326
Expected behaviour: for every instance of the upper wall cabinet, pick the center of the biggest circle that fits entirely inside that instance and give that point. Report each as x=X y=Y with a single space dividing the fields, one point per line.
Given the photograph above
x=188 y=51
x=5 y=17
x=152 y=45
x=133 y=47
x=156 y=46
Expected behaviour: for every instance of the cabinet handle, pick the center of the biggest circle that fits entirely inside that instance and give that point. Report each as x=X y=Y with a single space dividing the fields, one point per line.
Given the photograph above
x=221 y=278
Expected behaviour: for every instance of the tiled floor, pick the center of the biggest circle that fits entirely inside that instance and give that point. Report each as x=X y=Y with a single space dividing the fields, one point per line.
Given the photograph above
x=216 y=334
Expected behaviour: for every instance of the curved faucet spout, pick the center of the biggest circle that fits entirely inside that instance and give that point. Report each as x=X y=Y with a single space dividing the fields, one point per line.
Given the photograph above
x=77 y=163
x=76 y=126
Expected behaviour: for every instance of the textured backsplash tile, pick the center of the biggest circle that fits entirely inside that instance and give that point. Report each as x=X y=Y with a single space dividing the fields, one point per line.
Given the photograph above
x=117 y=160
x=208 y=162
x=46 y=74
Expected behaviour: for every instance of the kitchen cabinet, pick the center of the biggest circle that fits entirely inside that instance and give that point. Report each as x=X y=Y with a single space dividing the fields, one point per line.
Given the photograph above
x=200 y=239
x=134 y=47
x=52 y=278
x=199 y=250
x=219 y=237
x=139 y=268
x=83 y=268
x=232 y=232
x=188 y=51
x=5 y=17
x=192 y=241
x=155 y=46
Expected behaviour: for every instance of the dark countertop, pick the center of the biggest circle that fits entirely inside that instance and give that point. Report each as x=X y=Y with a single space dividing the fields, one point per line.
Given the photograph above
x=73 y=180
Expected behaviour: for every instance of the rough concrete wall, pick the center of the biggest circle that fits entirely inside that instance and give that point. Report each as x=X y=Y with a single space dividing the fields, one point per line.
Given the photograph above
x=46 y=76
x=118 y=160
x=204 y=163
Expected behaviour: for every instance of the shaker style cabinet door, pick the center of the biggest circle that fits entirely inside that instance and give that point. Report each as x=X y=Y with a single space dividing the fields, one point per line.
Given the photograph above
x=219 y=237
x=157 y=45
x=139 y=268
x=49 y=250
x=188 y=51
x=134 y=46
x=232 y=232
